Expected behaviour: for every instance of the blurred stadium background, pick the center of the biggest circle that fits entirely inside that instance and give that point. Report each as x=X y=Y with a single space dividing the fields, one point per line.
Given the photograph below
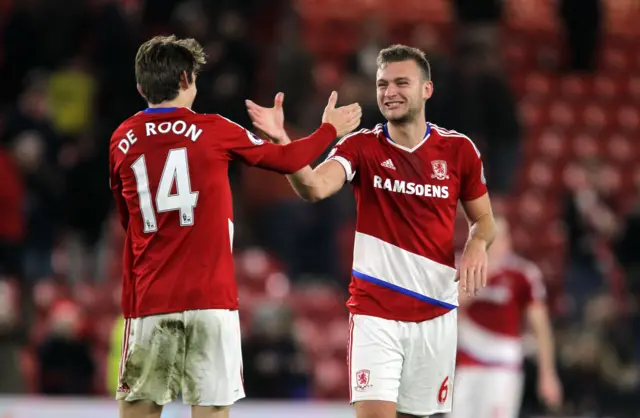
x=549 y=89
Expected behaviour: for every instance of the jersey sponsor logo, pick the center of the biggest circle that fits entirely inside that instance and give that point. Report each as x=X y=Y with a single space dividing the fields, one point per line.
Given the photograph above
x=254 y=139
x=362 y=380
x=439 y=170
x=388 y=164
x=406 y=187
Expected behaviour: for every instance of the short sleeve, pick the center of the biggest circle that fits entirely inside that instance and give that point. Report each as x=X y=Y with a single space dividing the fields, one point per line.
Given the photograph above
x=346 y=153
x=534 y=285
x=473 y=183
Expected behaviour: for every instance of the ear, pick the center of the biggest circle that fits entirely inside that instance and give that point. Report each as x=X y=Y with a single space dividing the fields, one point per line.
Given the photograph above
x=139 y=87
x=427 y=91
x=184 y=81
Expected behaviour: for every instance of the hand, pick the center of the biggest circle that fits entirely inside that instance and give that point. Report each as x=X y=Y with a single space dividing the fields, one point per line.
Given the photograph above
x=550 y=390
x=269 y=120
x=472 y=273
x=345 y=119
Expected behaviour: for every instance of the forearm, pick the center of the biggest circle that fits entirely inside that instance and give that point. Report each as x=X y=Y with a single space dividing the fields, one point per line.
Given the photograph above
x=541 y=326
x=308 y=183
x=303 y=183
x=294 y=156
x=483 y=230
x=546 y=349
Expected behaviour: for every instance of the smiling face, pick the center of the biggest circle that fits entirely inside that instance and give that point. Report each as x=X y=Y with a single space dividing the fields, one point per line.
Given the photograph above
x=402 y=89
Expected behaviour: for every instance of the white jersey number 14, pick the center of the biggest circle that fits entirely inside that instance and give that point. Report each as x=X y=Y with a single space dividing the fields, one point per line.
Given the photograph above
x=176 y=170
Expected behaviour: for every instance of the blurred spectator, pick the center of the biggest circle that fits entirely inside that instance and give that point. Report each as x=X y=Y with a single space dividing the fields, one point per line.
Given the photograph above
x=479 y=27
x=42 y=210
x=65 y=365
x=35 y=147
x=71 y=94
x=31 y=112
x=481 y=103
x=87 y=208
x=274 y=367
x=427 y=39
x=482 y=106
x=601 y=378
x=582 y=23
x=590 y=217
x=501 y=133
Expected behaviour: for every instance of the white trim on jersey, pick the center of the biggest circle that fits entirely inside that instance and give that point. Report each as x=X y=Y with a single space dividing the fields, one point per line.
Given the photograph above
x=487 y=346
x=346 y=165
x=410 y=150
x=352 y=134
x=451 y=133
x=402 y=147
x=404 y=270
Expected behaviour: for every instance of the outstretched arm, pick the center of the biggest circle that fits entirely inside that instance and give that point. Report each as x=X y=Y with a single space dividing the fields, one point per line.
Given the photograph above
x=310 y=184
x=288 y=157
x=316 y=184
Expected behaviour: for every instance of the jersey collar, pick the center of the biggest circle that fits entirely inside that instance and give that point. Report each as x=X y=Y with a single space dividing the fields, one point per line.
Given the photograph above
x=155 y=110
x=385 y=131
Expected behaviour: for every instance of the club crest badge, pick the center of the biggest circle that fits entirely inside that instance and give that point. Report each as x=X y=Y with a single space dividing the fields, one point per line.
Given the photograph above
x=362 y=380
x=439 y=170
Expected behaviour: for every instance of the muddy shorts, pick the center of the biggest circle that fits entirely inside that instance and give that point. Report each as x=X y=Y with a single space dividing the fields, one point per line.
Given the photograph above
x=197 y=353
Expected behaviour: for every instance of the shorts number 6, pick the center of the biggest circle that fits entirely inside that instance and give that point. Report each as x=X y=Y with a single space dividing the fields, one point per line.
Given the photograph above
x=444 y=390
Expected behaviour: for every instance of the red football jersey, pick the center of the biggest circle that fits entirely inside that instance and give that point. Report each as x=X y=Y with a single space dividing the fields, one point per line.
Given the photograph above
x=169 y=178
x=490 y=331
x=403 y=267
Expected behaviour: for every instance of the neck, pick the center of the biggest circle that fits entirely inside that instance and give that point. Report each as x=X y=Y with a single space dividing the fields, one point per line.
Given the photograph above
x=408 y=134
x=177 y=102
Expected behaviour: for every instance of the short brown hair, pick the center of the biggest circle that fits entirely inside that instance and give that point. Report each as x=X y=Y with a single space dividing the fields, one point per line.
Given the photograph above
x=399 y=53
x=160 y=63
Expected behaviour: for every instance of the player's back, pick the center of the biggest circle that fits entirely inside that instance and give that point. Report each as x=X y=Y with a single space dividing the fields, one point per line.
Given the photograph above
x=171 y=171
